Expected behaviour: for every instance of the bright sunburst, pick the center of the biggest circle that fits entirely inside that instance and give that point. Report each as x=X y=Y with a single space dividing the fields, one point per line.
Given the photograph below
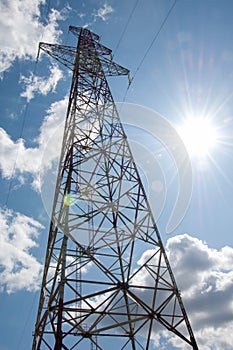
x=199 y=135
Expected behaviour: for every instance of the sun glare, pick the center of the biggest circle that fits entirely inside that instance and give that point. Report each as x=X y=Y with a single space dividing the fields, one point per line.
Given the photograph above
x=199 y=136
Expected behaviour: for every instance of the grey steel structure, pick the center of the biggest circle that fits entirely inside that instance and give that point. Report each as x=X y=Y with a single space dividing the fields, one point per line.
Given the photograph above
x=95 y=293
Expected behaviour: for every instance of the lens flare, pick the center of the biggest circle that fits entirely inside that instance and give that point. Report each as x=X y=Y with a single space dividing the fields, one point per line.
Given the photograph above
x=69 y=199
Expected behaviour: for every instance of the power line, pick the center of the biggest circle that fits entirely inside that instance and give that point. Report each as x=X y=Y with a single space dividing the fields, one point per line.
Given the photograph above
x=20 y=137
x=150 y=46
x=125 y=28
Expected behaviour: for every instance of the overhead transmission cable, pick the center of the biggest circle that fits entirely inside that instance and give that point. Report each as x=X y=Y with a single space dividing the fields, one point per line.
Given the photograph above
x=150 y=46
x=125 y=28
x=20 y=137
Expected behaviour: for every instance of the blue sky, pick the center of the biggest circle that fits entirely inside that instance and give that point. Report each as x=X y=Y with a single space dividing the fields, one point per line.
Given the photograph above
x=187 y=73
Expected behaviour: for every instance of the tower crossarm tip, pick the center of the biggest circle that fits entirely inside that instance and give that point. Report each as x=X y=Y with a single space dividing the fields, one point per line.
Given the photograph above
x=111 y=68
x=62 y=53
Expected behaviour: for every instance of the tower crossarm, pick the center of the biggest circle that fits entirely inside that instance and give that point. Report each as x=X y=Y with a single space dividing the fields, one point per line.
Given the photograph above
x=90 y=56
x=64 y=54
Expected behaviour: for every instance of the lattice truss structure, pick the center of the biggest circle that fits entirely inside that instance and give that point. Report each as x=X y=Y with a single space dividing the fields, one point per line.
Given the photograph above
x=96 y=291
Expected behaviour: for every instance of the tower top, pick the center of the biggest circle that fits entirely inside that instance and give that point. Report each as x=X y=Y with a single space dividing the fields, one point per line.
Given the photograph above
x=89 y=48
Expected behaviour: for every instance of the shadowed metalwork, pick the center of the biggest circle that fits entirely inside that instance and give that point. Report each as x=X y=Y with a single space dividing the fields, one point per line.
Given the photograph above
x=106 y=273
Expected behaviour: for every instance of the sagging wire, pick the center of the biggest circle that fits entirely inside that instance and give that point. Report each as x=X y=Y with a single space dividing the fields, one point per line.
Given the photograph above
x=131 y=79
x=125 y=28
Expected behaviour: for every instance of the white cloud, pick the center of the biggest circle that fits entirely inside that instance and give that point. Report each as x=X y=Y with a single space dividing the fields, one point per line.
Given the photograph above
x=34 y=83
x=103 y=12
x=19 y=269
x=16 y=159
x=21 y=29
x=205 y=277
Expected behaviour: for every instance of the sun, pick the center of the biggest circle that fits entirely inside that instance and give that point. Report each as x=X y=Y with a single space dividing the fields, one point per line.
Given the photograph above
x=199 y=135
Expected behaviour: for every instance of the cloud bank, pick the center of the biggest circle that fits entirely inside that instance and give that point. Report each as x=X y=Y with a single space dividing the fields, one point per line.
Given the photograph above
x=205 y=277
x=19 y=269
x=16 y=159
x=21 y=29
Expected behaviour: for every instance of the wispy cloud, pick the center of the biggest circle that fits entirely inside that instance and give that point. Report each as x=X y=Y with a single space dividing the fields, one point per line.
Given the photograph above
x=103 y=12
x=21 y=29
x=19 y=269
x=35 y=84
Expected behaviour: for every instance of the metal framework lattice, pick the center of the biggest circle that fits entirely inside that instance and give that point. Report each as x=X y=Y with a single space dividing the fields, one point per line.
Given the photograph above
x=94 y=289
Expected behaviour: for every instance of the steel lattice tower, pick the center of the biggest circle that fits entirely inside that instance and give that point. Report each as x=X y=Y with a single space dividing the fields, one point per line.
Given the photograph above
x=93 y=289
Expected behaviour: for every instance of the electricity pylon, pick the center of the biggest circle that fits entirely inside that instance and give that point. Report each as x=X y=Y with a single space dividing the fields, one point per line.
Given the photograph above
x=107 y=280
